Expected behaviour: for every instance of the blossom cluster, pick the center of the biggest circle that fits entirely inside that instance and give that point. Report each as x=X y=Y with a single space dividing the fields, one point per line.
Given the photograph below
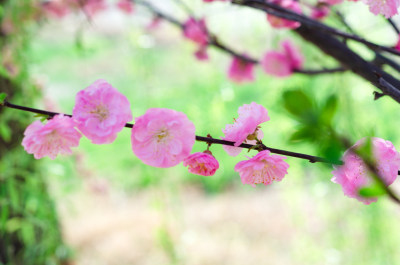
x=160 y=137
x=165 y=138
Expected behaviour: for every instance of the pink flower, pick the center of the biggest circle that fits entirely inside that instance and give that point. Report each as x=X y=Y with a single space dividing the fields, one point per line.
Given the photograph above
x=250 y=117
x=388 y=8
x=101 y=112
x=57 y=8
x=201 y=54
x=320 y=12
x=196 y=30
x=293 y=55
x=276 y=63
x=354 y=174
x=155 y=23
x=241 y=71
x=397 y=47
x=55 y=137
x=203 y=164
x=277 y=22
x=126 y=6
x=262 y=168
x=162 y=137
x=282 y=64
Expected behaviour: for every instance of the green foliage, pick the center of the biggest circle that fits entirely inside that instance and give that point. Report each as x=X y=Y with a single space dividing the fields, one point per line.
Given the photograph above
x=374 y=190
x=315 y=122
x=2 y=97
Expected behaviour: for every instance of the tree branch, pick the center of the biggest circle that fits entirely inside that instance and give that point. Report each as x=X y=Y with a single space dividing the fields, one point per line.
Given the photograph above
x=281 y=12
x=310 y=158
x=332 y=46
x=214 y=42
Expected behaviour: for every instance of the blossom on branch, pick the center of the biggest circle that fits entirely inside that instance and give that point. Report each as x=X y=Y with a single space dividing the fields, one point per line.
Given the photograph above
x=201 y=163
x=354 y=174
x=126 y=6
x=101 y=112
x=196 y=30
x=262 y=168
x=162 y=137
x=241 y=71
x=278 y=22
x=246 y=127
x=388 y=8
x=55 y=137
x=283 y=63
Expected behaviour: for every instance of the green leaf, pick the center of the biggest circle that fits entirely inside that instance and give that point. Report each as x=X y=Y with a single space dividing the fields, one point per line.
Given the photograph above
x=297 y=103
x=2 y=97
x=301 y=134
x=329 y=109
x=374 y=190
x=5 y=132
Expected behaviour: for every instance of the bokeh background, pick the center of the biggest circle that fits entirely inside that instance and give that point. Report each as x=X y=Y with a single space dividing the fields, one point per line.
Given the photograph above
x=112 y=209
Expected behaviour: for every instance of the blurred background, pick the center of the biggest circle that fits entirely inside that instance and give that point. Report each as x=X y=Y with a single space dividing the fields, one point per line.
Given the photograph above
x=102 y=205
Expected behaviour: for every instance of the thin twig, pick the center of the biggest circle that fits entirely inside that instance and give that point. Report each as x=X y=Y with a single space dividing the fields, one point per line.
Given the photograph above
x=394 y=26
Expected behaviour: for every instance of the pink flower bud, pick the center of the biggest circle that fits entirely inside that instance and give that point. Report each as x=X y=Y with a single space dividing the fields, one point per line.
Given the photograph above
x=203 y=164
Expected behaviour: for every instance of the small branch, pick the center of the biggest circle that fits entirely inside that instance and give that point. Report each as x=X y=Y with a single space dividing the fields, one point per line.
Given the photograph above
x=394 y=26
x=214 y=42
x=320 y=71
x=157 y=12
x=185 y=7
x=210 y=140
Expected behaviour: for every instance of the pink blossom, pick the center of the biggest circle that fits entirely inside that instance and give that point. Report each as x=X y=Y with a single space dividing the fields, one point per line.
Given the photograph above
x=388 y=8
x=57 y=8
x=126 y=6
x=241 y=71
x=203 y=164
x=278 y=22
x=162 y=137
x=201 y=54
x=155 y=23
x=293 y=55
x=320 y=11
x=101 y=112
x=262 y=168
x=276 y=63
x=354 y=174
x=282 y=64
x=247 y=124
x=55 y=137
x=397 y=47
x=196 y=30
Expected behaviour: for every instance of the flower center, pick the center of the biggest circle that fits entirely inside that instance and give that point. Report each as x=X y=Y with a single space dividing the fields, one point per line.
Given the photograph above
x=101 y=112
x=162 y=135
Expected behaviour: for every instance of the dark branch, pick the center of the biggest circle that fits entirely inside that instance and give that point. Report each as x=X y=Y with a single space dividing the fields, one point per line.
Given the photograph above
x=281 y=12
x=214 y=42
x=312 y=159
x=394 y=26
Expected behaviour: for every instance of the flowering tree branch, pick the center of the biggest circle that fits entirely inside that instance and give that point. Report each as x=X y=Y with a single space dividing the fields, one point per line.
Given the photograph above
x=281 y=12
x=215 y=42
x=210 y=140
